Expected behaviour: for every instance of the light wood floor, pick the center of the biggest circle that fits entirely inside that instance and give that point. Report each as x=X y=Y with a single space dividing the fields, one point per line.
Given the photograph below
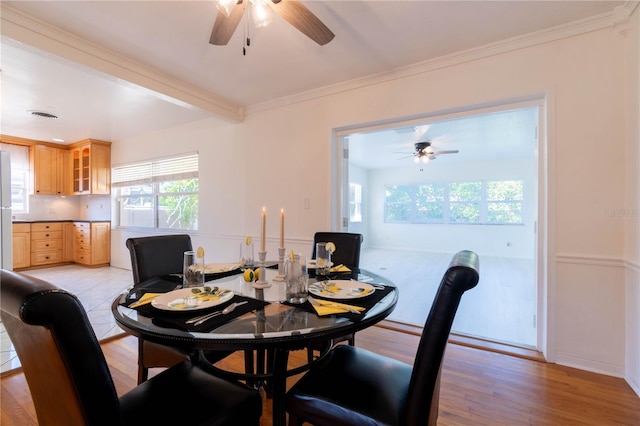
x=478 y=387
x=501 y=308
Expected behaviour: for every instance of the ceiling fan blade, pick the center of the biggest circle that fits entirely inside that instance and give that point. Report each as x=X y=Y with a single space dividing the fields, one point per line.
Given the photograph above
x=407 y=156
x=225 y=26
x=450 y=151
x=301 y=18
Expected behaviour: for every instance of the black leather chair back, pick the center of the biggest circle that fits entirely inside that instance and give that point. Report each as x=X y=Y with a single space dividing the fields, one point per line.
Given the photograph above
x=157 y=255
x=347 y=247
x=61 y=358
x=463 y=274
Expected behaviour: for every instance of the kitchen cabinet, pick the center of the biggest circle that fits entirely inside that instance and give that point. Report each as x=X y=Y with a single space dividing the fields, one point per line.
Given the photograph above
x=90 y=167
x=92 y=243
x=21 y=245
x=68 y=237
x=50 y=170
x=46 y=243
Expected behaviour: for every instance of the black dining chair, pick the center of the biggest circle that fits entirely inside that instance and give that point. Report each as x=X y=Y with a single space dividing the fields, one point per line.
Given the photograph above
x=70 y=381
x=154 y=257
x=347 y=247
x=353 y=386
x=347 y=253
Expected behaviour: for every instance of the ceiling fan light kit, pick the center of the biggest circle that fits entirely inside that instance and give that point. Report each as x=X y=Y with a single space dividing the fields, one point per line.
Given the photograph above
x=295 y=13
x=425 y=152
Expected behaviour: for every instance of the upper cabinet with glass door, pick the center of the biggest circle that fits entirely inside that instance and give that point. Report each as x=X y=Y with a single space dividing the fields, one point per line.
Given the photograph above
x=91 y=167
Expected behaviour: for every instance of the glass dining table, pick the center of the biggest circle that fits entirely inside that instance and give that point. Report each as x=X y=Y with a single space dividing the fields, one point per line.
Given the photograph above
x=262 y=323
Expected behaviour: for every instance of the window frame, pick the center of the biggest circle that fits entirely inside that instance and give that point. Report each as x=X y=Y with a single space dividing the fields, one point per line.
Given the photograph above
x=153 y=174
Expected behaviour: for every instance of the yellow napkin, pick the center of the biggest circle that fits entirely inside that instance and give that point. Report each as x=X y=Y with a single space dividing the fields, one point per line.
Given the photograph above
x=146 y=298
x=325 y=307
x=340 y=268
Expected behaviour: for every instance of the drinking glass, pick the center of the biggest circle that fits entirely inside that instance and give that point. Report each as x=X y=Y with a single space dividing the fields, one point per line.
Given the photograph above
x=296 y=278
x=246 y=253
x=193 y=270
x=323 y=259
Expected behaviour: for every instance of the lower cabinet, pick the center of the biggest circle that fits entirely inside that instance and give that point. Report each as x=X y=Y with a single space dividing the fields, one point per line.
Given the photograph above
x=92 y=243
x=40 y=244
x=68 y=238
x=46 y=243
x=21 y=245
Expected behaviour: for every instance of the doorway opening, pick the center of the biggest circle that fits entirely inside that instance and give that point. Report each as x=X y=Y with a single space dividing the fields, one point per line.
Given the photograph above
x=420 y=190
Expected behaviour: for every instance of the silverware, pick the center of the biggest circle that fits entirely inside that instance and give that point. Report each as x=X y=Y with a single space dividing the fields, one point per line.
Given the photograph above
x=199 y=320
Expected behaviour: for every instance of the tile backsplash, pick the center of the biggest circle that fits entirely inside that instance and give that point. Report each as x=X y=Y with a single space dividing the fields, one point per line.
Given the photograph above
x=77 y=207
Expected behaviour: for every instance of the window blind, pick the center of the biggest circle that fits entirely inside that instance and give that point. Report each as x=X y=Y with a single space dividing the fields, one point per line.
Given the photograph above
x=176 y=168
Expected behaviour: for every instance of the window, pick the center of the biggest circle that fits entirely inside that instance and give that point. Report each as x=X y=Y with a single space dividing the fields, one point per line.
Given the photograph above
x=158 y=193
x=430 y=203
x=19 y=157
x=464 y=202
x=504 y=201
x=480 y=202
x=355 y=202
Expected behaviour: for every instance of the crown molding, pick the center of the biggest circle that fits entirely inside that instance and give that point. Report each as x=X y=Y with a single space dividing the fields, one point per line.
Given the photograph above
x=622 y=16
x=594 y=23
x=26 y=29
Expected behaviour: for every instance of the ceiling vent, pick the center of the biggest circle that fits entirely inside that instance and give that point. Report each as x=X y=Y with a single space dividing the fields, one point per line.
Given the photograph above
x=43 y=114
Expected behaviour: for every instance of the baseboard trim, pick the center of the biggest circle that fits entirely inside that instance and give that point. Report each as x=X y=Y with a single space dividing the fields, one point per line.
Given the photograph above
x=472 y=342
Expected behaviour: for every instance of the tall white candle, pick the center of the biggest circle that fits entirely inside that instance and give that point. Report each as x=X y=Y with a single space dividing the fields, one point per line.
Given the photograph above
x=263 y=231
x=282 y=228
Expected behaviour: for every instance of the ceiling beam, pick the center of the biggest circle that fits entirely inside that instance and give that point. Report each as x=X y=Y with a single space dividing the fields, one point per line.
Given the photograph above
x=33 y=32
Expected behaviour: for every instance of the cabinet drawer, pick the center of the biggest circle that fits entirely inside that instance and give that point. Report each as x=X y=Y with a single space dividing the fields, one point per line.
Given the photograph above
x=45 y=258
x=49 y=226
x=83 y=239
x=19 y=228
x=46 y=235
x=84 y=248
x=82 y=256
x=44 y=245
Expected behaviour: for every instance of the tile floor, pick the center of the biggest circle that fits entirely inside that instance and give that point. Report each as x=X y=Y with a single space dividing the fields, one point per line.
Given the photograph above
x=95 y=287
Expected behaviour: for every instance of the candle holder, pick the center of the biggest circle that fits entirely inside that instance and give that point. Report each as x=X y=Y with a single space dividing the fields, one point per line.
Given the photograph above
x=262 y=282
x=280 y=276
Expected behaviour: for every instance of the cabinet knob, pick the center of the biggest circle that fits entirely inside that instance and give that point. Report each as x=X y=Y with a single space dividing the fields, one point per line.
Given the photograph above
x=47 y=245
x=46 y=235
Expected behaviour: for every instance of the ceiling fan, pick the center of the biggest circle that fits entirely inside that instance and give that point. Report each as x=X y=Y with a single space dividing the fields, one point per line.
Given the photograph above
x=424 y=152
x=294 y=12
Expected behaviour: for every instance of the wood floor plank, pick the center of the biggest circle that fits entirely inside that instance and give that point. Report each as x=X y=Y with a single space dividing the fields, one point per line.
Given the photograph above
x=478 y=387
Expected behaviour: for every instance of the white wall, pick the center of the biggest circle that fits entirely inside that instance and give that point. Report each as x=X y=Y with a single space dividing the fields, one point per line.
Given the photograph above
x=491 y=240
x=632 y=208
x=282 y=155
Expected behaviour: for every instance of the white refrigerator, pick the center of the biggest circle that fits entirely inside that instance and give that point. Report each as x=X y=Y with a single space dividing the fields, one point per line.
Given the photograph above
x=6 y=259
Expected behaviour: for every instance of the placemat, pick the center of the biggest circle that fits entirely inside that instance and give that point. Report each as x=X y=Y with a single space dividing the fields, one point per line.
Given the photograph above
x=178 y=319
x=364 y=302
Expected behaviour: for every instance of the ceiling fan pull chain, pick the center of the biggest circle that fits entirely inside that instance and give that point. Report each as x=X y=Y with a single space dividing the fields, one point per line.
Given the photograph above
x=247 y=38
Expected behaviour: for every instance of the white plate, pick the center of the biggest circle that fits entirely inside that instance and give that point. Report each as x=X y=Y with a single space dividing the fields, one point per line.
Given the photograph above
x=311 y=264
x=175 y=300
x=217 y=268
x=341 y=289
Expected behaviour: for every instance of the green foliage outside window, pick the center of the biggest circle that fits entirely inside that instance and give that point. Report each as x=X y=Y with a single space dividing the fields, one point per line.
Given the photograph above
x=398 y=203
x=178 y=204
x=480 y=202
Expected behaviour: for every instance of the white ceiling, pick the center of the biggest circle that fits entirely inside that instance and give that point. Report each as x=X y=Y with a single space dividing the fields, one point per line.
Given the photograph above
x=163 y=47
